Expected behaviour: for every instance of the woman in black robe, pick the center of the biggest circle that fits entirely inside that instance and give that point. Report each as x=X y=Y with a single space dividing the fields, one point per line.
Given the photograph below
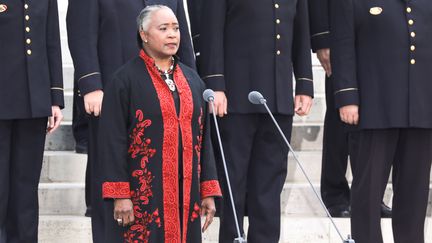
x=158 y=161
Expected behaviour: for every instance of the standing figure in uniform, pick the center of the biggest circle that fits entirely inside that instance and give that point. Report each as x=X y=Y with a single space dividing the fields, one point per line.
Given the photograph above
x=256 y=45
x=381 y=60
x=160 y=171
x=339 y=138
x=102 y=37
x=31 y=93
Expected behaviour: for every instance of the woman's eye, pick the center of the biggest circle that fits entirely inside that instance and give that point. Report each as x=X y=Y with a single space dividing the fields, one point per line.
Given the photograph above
x=163 y=29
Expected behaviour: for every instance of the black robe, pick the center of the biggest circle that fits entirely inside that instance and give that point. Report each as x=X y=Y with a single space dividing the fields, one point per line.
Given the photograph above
x=139 y=145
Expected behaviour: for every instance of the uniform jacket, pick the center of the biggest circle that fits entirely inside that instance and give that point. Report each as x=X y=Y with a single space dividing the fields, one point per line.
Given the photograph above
x=102 y=37
x=319 y=24
x=382 y=59
x=141 y=134
x=30 y=59
x=250 y=45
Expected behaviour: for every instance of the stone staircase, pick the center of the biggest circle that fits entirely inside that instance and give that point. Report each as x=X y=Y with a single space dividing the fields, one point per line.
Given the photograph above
x=61 y=189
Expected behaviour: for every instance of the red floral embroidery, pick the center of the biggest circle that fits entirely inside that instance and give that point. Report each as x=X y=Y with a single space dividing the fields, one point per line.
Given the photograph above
x=115 y=190
x=196 y=212
x=170 y=149
x=140 y=148
x=210 y=189
x=199 y=143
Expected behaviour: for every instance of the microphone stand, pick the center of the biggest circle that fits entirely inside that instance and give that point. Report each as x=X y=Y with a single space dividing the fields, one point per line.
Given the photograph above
x=240 y=238
x=264 y=102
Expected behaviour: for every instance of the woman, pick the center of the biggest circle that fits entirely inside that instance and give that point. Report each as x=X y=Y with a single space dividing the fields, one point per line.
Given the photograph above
x=381 y=60
x=158 y=159
x=31 y=90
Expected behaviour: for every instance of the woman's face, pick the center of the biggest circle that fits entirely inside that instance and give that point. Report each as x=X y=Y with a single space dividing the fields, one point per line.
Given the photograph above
x=162 y=39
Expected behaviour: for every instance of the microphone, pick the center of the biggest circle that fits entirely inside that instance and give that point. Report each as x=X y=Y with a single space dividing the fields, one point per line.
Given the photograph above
x=257 y=98
x=208 y=96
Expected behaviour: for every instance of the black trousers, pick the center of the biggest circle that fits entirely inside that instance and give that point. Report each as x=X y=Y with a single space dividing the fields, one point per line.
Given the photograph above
x=80 y=130
x=337 y=144
x=96 y=167
x=257 y=164
x=409 y=151
x=21 y=154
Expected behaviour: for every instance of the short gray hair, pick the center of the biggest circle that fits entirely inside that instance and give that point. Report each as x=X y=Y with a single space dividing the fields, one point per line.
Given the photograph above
x=144 y=17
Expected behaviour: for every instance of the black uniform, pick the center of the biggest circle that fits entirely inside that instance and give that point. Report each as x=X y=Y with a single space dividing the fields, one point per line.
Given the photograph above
x=30 y=84
x=381 y=59
x=335 y=190
x=255 y=45
x=102 y=37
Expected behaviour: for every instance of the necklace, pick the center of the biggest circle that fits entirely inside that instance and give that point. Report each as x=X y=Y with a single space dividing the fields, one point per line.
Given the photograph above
x=168 y=80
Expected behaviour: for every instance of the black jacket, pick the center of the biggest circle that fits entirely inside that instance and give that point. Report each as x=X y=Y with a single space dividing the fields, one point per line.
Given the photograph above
x=319 y=24
x=250 y=45
x=103 y=36
x=382 y=60
x=30 y=59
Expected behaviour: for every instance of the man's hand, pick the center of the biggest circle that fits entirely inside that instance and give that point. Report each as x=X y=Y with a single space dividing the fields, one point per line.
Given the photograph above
x=123 y=212
x=323 y=56
x=208 y=209
x=55 y=119
x=349 y=114
x=302 y=104
x=220 y=103
x=93 y=102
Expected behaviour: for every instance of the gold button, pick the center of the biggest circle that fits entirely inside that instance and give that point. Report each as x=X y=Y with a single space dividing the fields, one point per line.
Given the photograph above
x=408 y=10
x=27 y=29
x=413 y=61
x=27 y=17
x=413 y=34
x=410 y=22
x=412 y=48
x=276 y=5
x=278 y=37
x=26 y=6
x=28 y=41
x=277 y=21
x=29 y=52
x=278 y=52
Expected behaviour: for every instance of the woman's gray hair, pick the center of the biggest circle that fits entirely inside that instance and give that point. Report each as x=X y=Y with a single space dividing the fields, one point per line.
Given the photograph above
x=144 y=17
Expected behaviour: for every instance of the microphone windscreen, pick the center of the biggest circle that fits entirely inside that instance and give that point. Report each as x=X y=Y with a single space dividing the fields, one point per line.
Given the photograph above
x=208 y=95
x=256 y=98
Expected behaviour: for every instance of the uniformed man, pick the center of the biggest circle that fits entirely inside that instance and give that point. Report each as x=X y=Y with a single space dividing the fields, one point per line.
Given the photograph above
x=381 y=60
x=337 y=140
x=31 y=93
x=256 y=45
x=102 y=37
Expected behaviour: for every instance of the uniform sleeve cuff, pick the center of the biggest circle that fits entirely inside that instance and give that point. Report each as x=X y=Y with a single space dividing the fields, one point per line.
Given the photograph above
x=215 y=82
x=346 y=97
x=320 y=41
x=210 y=189
x=89 y=83
x=116 y=190
x=57 y=97
x=304 y=86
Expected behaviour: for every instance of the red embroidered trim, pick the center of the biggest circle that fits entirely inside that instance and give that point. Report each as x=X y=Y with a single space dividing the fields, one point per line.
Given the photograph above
x=210 y=189
x=116 y=190
x=169 y=154
x=140 y=147
x=199 y=143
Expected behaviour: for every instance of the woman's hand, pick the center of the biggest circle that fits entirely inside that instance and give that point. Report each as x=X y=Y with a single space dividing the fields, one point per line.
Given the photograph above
x=208 y=209
x=349 y=114
x=123 y=212
x=55 y=119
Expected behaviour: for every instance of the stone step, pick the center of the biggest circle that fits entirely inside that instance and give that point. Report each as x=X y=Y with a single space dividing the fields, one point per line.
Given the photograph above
x=68 y=199
x=305 y=137
x=72 y=229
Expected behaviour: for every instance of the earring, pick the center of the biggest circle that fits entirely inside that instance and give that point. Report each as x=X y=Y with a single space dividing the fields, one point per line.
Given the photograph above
x=145 y=41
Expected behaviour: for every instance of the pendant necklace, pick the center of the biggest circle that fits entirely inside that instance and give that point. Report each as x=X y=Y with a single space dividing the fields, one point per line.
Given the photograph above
x=168 y=80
